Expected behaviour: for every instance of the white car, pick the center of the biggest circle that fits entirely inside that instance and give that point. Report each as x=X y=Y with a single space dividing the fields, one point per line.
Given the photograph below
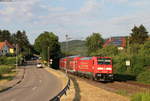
x=39 y=65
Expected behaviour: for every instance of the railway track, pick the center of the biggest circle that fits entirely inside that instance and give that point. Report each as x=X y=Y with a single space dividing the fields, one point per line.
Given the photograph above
x=128 y=87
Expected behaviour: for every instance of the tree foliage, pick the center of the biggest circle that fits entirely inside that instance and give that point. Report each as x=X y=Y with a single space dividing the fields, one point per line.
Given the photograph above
x=22 y=41
x=5 y=35
x=139 y=35
x=94 y=42
x=110 y=50
x=47 y=43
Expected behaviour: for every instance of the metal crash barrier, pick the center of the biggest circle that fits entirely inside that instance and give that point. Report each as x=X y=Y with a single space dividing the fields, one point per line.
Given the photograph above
x=64 y=91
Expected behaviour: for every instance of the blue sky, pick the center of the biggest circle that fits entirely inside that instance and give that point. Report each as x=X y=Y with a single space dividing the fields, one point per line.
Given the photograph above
x=77 y=18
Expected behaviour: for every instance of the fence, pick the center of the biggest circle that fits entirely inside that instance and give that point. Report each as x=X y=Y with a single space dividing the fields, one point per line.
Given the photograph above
x=64 y=91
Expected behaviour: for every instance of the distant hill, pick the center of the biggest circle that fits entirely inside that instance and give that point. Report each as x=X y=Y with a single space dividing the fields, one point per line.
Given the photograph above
x=75 y=47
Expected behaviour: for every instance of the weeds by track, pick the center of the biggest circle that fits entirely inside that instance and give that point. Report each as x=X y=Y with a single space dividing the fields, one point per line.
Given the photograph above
x=127 y=88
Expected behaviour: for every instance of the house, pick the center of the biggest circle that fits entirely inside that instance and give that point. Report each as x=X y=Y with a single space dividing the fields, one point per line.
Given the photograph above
x=6 y=48
x=120 y=42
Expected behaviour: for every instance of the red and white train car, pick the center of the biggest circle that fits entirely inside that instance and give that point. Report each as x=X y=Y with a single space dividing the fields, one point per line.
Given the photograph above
x=99 y=68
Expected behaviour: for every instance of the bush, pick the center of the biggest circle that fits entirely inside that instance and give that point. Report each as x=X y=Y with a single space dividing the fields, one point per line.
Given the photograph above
x=6 y=69
x=141 y=97
x=119 y=63
x=146 y=61
x=144 y=77
x=2 y=60
x=7 y=60
x=10 y=61
x=137 y=64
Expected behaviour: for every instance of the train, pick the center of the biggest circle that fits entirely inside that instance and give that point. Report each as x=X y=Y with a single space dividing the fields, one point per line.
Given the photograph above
x=96 y=68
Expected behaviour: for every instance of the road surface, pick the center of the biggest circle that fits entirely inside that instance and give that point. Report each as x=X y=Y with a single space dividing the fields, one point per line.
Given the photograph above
x=37 y=85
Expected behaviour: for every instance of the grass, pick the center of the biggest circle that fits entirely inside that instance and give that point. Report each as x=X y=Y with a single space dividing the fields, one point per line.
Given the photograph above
x=122 y=92
x=7 y=73
x=141 y=97
x=5 y=78
x=4 y=69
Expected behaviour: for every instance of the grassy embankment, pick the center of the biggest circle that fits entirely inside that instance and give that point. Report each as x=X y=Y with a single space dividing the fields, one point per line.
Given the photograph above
x=7 y=70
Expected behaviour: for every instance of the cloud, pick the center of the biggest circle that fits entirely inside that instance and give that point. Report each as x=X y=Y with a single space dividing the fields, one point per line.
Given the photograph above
x=117 y=1
x=17 y=10
x=140 y=3
x=90 y=6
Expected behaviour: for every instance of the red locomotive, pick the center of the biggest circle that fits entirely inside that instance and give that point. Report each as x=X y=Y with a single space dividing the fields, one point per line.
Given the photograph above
x=98 y=68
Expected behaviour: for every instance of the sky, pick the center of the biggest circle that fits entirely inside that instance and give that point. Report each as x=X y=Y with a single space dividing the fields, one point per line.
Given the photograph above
x=76 y=18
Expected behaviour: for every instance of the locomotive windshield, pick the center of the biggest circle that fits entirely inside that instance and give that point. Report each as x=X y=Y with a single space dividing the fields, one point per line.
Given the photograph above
x=102 y=61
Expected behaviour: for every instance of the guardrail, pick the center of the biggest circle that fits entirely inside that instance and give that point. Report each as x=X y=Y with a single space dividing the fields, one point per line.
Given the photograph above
x=64 y=91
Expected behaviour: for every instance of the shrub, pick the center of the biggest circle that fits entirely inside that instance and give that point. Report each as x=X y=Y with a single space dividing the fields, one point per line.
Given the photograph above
x=10 y=60
x=137 y=64
x=141 y=97
x=7 y=60
x=2 y=60
x=144 y=77
x=6 y=69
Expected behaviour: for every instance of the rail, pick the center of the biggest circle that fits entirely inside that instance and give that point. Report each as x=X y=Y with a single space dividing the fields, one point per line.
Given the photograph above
x=64 y=91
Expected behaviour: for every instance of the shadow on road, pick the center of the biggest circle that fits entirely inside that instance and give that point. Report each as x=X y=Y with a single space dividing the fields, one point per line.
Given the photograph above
x=77 y=89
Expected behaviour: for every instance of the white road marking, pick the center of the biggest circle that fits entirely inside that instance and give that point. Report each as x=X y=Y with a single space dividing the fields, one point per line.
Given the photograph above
x=34 y=88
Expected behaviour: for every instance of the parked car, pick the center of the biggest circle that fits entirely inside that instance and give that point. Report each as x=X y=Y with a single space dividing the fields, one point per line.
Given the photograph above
x=39 y=65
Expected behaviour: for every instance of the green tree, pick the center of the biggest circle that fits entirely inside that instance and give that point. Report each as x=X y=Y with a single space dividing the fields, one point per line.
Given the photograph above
x=5 y=35
x=145 y=49
x=139 y=35
x=94 y=42
x=109 y=50
x=47 y=43
x=24 y=47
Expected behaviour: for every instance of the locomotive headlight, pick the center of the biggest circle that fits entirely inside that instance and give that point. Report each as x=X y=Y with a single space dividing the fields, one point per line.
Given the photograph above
x=100 y=68
x=108 y=68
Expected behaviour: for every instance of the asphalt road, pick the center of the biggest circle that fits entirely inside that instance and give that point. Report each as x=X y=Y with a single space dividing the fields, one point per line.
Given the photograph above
x=37 y=85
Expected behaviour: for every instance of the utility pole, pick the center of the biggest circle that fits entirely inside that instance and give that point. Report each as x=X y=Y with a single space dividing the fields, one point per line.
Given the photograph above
x=48 y=56
x=16 y=56
x=66 y=43
x=66 y=51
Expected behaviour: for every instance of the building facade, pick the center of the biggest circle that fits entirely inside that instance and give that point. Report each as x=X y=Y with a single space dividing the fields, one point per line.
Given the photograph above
x=6 y=48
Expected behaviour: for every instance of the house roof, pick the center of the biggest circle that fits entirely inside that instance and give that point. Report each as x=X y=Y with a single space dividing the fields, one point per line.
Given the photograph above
x=117 y=41
x=2 y=44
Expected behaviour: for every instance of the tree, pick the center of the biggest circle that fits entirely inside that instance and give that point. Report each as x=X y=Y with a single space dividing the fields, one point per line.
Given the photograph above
x=109 y=50
x=139 y=35
x=47 y=44
x=24 y=47
x=5 y=35
x=22 y=41
x=94 y=42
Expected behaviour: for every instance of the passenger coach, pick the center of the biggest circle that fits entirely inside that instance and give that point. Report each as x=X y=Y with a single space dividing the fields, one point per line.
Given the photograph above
x=98 y=68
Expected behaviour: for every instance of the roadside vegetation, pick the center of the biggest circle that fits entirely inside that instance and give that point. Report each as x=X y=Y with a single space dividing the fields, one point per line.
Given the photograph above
x=141 y=97
x=7 y=68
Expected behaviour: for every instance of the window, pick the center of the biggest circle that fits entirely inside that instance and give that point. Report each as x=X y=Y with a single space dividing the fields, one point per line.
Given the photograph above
x=102 y=61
